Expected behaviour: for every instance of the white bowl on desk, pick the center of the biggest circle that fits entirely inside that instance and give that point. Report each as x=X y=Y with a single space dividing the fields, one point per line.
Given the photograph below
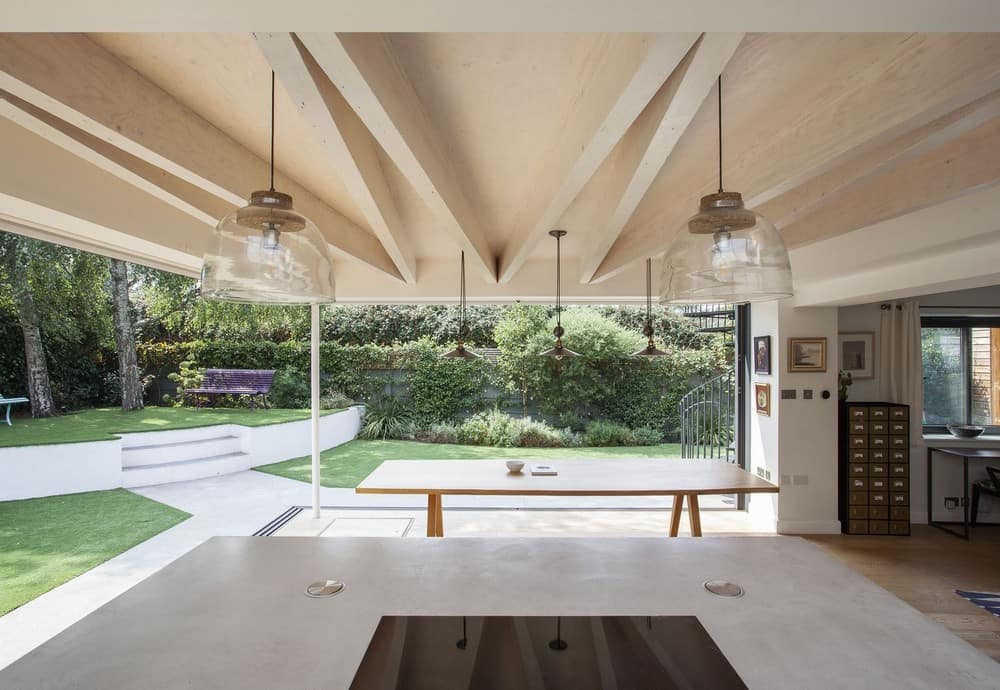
x=515 y=466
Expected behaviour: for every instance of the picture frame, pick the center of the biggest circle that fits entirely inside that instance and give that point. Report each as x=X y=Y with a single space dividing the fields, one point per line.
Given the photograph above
x=762 y=398
x=857 y=354
x=806 y=355
x=762 y=354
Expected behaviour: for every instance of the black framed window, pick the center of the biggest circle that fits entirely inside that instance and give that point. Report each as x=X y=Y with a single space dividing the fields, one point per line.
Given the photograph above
x=961 y=360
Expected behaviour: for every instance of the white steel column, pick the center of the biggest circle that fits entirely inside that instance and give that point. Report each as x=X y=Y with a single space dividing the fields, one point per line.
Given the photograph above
x=314 y=386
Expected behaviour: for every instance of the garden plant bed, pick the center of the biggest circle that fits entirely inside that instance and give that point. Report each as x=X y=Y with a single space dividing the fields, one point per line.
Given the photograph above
x=45 y=542
x=345 y=466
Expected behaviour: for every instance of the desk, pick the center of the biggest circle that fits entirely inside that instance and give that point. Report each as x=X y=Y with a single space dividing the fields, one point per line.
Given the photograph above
x=577 y=477
x=965 y=454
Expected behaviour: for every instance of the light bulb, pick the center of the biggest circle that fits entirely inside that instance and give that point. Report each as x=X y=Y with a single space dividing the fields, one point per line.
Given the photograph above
x=272 y=236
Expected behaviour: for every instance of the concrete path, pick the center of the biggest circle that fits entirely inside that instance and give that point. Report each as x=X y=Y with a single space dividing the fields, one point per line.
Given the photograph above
x=242 y=503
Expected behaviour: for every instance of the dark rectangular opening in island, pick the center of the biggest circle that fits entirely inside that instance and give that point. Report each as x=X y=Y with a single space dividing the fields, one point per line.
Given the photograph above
x=572 y=652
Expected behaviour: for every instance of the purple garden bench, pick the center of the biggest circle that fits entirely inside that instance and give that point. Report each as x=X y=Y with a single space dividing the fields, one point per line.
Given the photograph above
x=254 y=383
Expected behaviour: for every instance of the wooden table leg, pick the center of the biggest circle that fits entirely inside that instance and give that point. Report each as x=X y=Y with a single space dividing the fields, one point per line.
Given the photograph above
x=675 y=515
x=432 y=514
x=694 y=515
x=439 y=522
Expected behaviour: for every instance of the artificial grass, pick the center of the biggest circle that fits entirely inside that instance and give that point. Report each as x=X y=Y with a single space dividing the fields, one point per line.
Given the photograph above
x=102 y=424
x=345 y=466
x=46 y=541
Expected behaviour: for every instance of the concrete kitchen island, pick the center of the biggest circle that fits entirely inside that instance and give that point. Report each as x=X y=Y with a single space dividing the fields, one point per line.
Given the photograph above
x=232 y=613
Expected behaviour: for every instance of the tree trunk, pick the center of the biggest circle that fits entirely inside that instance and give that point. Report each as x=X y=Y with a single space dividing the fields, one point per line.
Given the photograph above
x=39 y=390
x=128 y=365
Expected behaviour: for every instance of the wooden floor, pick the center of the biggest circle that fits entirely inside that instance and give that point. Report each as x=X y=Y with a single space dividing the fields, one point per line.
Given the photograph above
x=926 y=568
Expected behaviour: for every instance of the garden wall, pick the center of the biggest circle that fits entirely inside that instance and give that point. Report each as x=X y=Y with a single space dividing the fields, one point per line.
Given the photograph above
x=66 y=468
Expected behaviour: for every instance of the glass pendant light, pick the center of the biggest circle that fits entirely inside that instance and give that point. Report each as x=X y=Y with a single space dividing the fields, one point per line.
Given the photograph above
x=267 y=252
x=650 y=349
x=559 y=351
x=463 y=328
x=726 y=253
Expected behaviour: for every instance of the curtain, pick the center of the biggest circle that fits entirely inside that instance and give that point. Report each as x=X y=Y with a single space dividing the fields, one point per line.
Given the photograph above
x=900 y=366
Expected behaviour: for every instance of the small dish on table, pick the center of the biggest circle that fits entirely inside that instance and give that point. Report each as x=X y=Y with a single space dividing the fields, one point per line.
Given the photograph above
x=515 y=466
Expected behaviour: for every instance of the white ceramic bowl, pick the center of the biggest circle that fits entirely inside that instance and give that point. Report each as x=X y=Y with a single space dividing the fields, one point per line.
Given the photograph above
x=515 y=465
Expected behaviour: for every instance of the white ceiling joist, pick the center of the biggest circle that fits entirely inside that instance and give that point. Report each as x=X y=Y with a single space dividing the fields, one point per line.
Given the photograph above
x=365 y=70
x=78 y=81
x=638 y=157
x=607 y=104
x=344 y=139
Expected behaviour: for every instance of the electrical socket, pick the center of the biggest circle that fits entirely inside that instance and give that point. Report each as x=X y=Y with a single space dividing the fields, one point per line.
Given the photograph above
x=953 y=502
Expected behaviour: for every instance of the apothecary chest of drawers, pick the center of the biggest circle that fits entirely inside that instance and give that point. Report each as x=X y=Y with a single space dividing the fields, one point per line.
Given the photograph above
x=874 y=450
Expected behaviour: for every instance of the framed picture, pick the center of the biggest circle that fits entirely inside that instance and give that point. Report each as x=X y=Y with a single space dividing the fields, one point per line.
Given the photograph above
x=857 y=354
x=762 y=397
x=806 y=354
x=762 y=354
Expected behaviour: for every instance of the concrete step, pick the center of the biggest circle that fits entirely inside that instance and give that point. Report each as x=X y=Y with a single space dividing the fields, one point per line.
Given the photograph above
x=178 y=451
x=185 y=470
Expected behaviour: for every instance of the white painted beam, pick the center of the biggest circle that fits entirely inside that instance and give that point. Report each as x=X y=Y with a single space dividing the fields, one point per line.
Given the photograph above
x=638 y=157
x=344 y=139
x=626 y=71
x=365 y=70
x=79 y=82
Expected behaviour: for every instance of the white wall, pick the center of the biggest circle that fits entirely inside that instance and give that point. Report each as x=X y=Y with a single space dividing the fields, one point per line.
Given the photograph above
x=947 y=476
x=64 y=468
x=798 y=443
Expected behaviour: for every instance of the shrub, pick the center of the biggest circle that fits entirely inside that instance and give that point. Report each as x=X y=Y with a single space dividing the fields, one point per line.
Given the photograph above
x=604 y=433
x=333 y=399
x=188 y=376
x=386 y=417
x=290 y=389
x=444 y=389
x=528 y=433
x=439 y=433
x=647 y=437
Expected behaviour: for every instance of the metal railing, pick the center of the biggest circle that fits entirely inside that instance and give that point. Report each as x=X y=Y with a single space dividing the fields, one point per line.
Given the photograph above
x=708 y=419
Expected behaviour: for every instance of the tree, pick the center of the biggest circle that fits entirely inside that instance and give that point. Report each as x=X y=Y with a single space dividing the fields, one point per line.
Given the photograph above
x=18 y=254
x=128 y=366
x=518 y=363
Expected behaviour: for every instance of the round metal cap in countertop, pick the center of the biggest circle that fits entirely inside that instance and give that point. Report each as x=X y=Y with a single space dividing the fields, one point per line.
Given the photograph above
x=324 y=588
x=724 y=588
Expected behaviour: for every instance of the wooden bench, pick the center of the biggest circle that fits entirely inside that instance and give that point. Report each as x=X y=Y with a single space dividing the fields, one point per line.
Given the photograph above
x=253 y=383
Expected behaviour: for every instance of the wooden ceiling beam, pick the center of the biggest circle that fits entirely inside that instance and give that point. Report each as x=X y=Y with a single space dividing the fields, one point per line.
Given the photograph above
x=79 y=82
x=626 y=72
x=180 y=194
x=636 y=160
x=786 y=209
x=368 y=75
x=344 y=139
x=963 y=165
x=921 y=78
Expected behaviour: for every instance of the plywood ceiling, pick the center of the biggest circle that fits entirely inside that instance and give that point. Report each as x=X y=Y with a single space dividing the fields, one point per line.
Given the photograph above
x=408 y=148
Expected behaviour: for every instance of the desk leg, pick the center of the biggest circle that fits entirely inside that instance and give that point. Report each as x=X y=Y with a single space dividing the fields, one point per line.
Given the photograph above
x=433 y=501
x=694 y=515
x=675 y=515
x=965 y=496
x=439 y=522
x=930 y=486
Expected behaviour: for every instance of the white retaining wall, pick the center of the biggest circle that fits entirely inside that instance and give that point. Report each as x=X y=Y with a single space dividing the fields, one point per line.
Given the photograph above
x=66 y=468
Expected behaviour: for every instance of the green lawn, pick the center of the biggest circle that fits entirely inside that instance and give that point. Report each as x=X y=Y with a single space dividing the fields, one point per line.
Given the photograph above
x=103 y=423
x=345 y=466
x=46 y=541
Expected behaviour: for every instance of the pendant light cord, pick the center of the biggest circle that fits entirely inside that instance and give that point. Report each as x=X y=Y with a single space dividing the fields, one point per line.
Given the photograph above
x=272 y=130
x=720 y=133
